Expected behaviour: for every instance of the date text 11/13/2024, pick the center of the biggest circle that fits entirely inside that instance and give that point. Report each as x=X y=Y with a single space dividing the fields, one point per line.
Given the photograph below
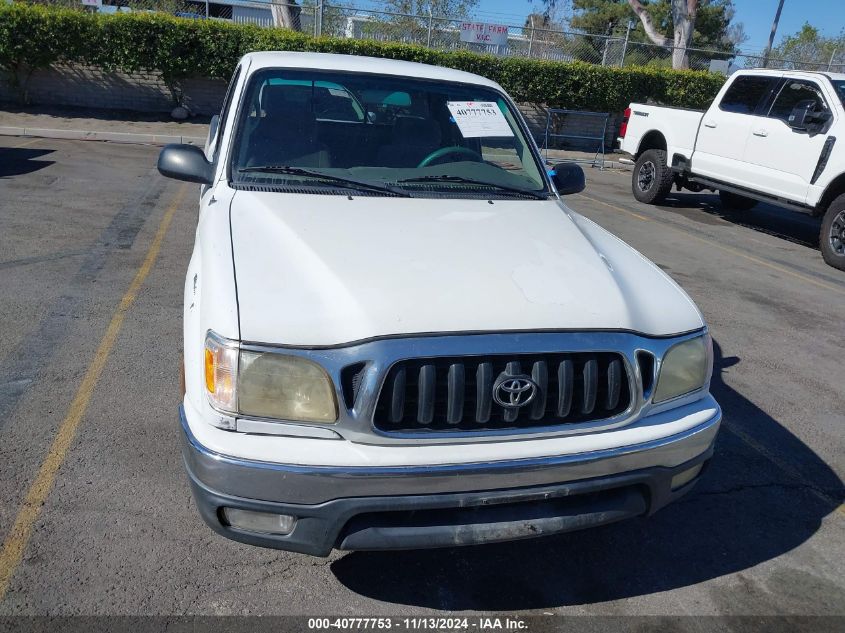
x=416 y=624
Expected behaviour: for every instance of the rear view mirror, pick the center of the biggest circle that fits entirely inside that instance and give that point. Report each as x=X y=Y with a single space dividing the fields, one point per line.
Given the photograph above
x=568 y=178
x=185 y=162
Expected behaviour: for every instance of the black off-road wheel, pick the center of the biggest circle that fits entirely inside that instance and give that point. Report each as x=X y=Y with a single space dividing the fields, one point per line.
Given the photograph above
x=832 y=236
x=736 y=202
x=652 y=178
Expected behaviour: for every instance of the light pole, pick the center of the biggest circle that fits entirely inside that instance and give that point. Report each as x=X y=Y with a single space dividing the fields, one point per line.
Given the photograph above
x=772 y=35
x=625 y=46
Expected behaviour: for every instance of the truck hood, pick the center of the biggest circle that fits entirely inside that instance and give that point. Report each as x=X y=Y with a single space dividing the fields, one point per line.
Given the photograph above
x=322 y=270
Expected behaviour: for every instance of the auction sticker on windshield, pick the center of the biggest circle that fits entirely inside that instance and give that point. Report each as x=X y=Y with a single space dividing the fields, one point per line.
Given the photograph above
x=479 y=118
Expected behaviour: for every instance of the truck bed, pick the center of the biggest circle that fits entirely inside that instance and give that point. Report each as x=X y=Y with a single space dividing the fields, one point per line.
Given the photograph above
x=644 y=119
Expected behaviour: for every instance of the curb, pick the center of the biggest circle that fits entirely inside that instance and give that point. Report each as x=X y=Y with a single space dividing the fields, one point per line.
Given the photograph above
x=620 y=163
x=91 y=135
x=615 y=164
x=608 y=164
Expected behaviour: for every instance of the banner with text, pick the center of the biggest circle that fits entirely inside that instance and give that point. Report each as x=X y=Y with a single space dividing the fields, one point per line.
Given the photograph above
x=483 y=33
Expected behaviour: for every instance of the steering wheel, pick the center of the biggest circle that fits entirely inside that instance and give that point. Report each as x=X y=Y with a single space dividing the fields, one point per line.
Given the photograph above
x=456 y=150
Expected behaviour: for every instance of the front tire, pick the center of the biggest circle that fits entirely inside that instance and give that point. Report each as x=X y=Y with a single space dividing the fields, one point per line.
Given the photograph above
x=652 y=178
x=832 y=236
x=736 y=202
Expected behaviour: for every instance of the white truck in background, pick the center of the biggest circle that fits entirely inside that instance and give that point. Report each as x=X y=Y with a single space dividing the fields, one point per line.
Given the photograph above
x=769 y=135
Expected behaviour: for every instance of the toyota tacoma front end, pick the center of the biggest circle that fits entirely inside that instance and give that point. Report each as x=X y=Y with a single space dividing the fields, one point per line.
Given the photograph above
x=398 y=336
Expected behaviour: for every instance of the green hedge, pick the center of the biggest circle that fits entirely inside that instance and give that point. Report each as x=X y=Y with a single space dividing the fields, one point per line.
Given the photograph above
x=33 y=37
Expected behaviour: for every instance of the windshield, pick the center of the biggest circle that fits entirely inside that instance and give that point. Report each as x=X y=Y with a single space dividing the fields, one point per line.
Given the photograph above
x=381 y=134
x=839 y=84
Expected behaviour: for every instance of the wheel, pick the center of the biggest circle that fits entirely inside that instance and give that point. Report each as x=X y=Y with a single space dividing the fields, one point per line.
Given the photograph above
x=832 y=236
x=736 y=202
x=652 y=178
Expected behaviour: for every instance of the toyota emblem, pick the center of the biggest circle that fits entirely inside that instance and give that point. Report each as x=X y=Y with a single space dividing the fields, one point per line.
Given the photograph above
x=513 y=392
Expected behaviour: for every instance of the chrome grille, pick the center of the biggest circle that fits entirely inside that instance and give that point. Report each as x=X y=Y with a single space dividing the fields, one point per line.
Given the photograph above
x=442 y=394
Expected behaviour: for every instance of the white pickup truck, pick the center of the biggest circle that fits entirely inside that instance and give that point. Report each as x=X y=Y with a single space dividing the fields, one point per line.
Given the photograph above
x=396 y=335
x=769 y=135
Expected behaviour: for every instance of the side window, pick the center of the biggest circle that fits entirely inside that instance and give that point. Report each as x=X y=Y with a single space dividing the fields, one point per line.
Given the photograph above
x=839 y=85
x=794 y=92
x=227 y=104
x=745 y=93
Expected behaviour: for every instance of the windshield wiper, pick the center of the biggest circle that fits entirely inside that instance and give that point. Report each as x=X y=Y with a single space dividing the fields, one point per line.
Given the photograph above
x=472 y=181
x=348 y=183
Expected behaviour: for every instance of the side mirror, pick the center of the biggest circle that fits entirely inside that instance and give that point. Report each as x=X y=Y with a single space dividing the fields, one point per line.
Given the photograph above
x=818 y=119
x=568 y=178
x=805 y=117
x=185 y=162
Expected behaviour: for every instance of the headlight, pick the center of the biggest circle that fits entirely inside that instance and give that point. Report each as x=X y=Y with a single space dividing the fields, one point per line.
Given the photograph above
x=685 y=368
x=273 y=385
x=221 y=369
x=267 y=384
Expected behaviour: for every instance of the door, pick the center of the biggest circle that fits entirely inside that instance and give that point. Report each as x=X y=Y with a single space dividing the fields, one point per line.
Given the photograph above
x=725 y=127
x=783 y=159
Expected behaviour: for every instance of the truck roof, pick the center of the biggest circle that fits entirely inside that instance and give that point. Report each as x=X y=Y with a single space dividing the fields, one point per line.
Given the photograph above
x=361 y=64
x=791 y=73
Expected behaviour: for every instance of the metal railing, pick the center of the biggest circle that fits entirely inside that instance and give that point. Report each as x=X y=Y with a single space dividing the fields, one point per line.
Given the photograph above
x=595 y=139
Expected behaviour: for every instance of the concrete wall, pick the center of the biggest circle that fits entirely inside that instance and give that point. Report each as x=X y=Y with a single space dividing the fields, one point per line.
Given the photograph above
x=90 y=87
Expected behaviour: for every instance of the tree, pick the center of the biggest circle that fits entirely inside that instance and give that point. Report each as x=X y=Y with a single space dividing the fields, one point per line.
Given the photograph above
x=547 y=32
x=408 y=20
x=807 y=49
x=683 y=20
x=287 y=14
x=676 y=24
x=455 y=9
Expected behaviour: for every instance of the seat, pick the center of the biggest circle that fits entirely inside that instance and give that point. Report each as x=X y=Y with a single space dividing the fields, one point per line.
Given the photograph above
x=286 y=134
x=413 y=139
x=335 y=107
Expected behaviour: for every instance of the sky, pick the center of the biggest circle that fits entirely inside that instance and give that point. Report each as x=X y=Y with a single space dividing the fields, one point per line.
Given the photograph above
x=826 y=15
x=757 y=15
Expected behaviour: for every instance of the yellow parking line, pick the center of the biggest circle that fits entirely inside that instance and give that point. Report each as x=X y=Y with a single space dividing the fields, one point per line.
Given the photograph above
x=18 y=537
x=636 y=215
x=727 y=249
x=613 y=206
x=31 y=141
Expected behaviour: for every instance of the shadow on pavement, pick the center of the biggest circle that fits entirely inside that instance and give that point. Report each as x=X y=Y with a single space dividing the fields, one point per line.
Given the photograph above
x=796 y=227
x=17 y=161
x=764 y=494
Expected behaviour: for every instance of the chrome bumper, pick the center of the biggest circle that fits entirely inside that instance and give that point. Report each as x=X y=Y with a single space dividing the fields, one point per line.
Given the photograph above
x=599 y=487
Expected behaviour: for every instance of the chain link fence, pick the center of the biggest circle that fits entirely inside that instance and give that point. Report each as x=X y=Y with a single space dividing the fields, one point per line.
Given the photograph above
x=337 y=19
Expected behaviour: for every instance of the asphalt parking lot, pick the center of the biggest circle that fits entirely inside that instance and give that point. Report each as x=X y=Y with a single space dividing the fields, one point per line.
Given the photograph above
x=96 y=514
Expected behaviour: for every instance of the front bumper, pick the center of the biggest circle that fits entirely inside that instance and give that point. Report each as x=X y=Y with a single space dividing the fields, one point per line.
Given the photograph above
x=368 y=508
